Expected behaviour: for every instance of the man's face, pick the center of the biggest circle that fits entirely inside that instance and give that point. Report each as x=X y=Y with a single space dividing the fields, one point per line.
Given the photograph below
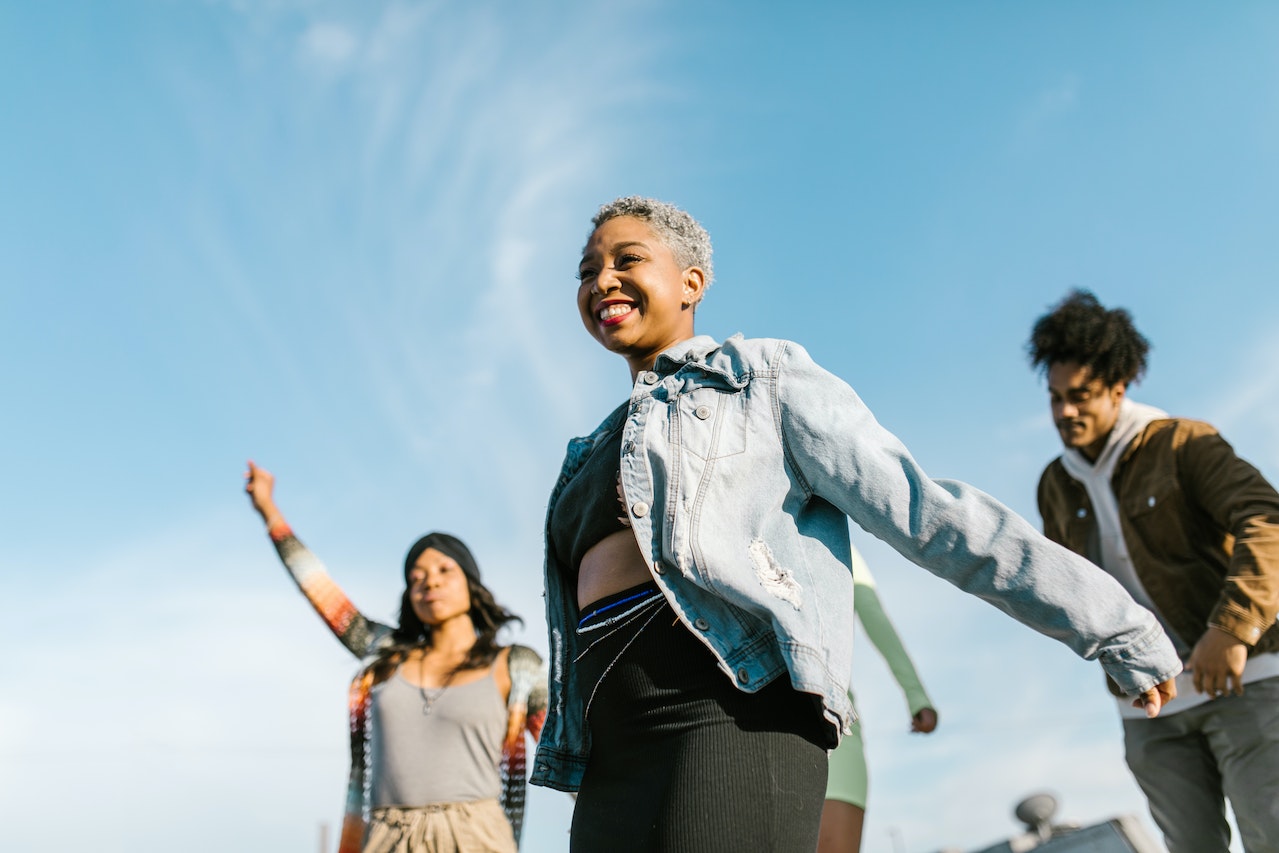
x=1084 y=409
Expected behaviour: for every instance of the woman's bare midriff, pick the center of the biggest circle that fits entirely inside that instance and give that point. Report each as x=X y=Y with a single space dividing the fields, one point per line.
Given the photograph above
x=613 y=564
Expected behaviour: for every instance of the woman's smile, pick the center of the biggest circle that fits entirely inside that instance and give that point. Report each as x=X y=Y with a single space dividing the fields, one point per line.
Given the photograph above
x=612 y=311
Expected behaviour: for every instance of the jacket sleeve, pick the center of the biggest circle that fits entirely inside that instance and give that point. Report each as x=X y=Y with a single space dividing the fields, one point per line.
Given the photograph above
x=870 y=612
x=354 y=825
x=361 y=635
x=1240 y=501
x=526 y=712
x=957 y=532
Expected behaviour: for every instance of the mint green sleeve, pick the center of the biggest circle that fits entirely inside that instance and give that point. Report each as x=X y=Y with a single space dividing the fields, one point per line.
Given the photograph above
x=870 y=611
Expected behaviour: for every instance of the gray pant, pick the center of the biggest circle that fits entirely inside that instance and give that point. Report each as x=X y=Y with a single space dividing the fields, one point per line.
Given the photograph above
x=1189 y=763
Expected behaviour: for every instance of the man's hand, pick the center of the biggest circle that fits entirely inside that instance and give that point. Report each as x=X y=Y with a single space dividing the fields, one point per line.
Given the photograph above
x=1156 y=697
x=1217 y=663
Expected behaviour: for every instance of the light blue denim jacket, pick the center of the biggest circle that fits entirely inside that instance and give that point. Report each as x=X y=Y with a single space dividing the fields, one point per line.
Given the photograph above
x=741 y=463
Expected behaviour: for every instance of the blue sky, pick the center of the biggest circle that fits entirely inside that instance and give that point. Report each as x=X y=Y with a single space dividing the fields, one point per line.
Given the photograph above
x=340 y=238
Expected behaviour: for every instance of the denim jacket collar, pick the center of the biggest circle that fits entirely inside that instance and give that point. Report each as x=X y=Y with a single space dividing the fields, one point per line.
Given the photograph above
x=701 y=352
x=693 y=349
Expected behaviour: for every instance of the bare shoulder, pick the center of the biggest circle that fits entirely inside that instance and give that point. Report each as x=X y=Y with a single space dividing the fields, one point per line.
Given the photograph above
x=502 y=672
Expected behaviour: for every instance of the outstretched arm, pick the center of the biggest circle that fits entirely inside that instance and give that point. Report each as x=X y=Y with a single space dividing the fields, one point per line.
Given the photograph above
x=360 y=635
x=526 y=712
x=870 y=611
x=957 y=532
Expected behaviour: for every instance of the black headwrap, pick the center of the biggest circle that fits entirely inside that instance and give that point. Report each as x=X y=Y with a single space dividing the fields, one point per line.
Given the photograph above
x=448 y=545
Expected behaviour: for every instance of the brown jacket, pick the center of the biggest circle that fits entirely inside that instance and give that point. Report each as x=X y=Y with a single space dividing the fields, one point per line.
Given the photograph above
x=1201 y=526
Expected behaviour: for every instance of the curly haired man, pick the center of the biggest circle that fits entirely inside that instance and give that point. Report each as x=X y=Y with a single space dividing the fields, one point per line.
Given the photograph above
x=1192 y=532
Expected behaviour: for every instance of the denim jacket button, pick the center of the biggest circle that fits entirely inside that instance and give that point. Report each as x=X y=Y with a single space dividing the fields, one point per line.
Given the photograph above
x=660 y=568
x=743 y=676
x=648 y=377
x=639 y=509
x=701 y=624
x=703 y=412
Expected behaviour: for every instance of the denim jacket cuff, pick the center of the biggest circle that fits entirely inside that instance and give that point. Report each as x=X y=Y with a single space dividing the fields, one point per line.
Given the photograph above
x=1149 y=660
x=556 y=769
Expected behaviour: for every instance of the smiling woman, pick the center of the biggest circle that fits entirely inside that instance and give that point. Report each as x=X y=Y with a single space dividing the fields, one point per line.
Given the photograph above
x=641 y=280
x=440 y=710
x=698 y=583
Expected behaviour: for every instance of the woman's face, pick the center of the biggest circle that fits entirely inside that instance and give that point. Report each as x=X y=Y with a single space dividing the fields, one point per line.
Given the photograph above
x=634 y=298
x=438 y=589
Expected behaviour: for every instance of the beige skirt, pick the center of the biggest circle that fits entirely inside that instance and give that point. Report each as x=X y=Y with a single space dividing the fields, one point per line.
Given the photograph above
x=476 y=827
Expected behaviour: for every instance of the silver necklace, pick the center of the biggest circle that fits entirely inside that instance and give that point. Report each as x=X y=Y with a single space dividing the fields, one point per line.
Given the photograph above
x=429 y=699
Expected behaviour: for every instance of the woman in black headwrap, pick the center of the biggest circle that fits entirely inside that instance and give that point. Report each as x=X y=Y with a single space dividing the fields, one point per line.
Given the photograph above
x=438 y=712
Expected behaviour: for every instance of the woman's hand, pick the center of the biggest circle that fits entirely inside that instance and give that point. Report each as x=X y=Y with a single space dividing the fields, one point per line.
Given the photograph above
x=260 y=485
x=1156 y=697
x=924 y=722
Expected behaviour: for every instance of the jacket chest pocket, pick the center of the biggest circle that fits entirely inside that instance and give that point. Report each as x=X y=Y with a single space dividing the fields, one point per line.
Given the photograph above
x=711 y=423
x=1077 y=532
x=1151 y=507
x=1152 y=497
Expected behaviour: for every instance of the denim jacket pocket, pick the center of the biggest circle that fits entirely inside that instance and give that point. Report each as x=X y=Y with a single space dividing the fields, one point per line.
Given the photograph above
x=712 y=422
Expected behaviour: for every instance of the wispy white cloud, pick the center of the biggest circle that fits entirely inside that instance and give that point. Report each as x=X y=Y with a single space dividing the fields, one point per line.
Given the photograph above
x=442 y=162
x=476 y=166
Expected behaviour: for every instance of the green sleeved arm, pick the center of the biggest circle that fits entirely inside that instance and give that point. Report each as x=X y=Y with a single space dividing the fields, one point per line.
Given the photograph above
x=870 y=611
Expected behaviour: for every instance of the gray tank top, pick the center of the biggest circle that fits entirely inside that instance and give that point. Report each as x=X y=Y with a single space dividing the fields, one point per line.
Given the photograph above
x=451 y=755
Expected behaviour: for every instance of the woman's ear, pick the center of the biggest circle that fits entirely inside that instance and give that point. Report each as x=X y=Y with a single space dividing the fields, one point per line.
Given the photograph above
x=694 y=286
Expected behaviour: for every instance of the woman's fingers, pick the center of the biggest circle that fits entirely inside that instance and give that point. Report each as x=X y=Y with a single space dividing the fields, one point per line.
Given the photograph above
x=1156 y=697
x=259 y=483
